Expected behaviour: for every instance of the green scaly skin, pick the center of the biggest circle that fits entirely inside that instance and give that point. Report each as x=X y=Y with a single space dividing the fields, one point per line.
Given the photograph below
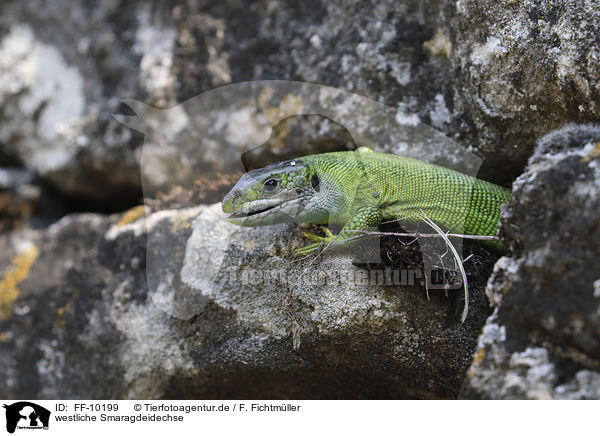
x=359 y=189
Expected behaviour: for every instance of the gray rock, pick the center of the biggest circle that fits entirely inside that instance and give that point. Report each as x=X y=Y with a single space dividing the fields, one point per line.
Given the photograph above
x=218 y=312
x=544 y=338
x=261 y=120
x=523 y=69
x=494 y=76
x=62 y=74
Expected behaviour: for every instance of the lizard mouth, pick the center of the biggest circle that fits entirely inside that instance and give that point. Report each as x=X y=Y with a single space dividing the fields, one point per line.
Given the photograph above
x=263 y=214
x=251 y=213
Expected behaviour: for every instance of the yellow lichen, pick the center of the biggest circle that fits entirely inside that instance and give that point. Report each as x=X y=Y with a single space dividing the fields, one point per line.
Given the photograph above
x=132 y=215
x=3 y=337
x=264 y=96
x=279 y=134
x=592 y=154
x=182 y=221
x=289 y=105
x=479 y=355
x=439 y=46
x=60 y=312
x=9 y=286
x=477 y=359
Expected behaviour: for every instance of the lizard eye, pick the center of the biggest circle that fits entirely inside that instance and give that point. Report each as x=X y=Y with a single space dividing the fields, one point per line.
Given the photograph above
x=314 y=182
x=271 y=186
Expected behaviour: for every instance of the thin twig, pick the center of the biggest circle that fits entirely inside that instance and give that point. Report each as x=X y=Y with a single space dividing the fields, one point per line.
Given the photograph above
x=458 y=261
x=427 y=235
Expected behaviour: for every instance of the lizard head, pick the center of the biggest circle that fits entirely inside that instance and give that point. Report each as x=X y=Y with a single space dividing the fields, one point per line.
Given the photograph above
x=278 y=193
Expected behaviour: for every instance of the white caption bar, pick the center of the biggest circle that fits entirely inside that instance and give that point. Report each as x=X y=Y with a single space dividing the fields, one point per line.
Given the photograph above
x=247 y=417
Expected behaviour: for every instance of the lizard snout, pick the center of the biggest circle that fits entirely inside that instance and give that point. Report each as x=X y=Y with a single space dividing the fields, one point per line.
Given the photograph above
x=229 y=200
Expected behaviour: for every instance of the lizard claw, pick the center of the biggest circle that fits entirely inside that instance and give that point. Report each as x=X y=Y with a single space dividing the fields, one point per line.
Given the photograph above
x=308 y=249
x=327 y=238
x=328 y=232
x=314 y=237
x=321 y=242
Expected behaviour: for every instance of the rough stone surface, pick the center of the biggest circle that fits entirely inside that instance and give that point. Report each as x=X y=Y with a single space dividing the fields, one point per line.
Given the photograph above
x=481 y=71
x=543 y=340
x=207 y=322
x=495 y=75
x=61 y=75
x=523 y=69
x=76 y=299
x=209 y=133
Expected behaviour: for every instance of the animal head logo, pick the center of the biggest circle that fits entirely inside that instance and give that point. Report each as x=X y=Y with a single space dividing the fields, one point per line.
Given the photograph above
x=27 y=415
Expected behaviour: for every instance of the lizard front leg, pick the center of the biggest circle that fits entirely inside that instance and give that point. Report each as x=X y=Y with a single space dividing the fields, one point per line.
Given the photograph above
x=364 y=219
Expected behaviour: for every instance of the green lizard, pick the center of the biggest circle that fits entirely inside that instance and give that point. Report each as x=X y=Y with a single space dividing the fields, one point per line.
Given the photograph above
x=359 y=189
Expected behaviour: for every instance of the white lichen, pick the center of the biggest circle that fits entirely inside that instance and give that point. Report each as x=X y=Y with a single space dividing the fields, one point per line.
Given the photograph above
x=483 y=54
x=47 y=87
x=156 y=45
x=440 y=115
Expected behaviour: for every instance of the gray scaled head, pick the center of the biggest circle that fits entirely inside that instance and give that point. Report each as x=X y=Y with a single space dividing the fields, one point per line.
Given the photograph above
x=279 y=193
